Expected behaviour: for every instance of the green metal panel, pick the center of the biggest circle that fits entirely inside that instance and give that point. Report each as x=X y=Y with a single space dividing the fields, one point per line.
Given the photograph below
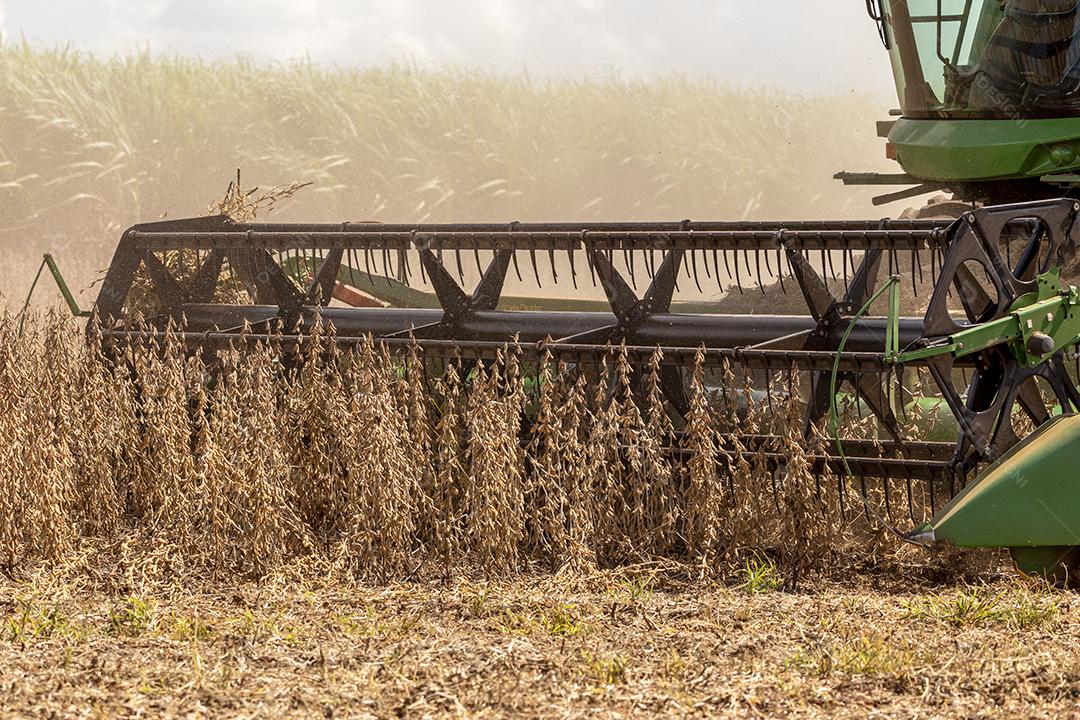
x=1030 y=497
x=975 y=150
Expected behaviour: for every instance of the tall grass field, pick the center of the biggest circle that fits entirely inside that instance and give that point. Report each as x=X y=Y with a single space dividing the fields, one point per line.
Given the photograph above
x=90 y=145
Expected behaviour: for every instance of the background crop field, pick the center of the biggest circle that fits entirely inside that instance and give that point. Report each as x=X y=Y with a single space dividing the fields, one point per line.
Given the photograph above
x=89 y=146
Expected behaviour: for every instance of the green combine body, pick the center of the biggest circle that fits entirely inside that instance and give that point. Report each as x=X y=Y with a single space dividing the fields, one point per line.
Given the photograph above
x=989 y=94
x=989 y=97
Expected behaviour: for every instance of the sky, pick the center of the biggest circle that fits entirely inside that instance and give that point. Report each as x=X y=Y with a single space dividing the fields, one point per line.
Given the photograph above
x=829 y=45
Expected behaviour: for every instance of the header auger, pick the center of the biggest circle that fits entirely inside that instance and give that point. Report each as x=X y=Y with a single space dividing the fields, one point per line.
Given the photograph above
x=216 y=284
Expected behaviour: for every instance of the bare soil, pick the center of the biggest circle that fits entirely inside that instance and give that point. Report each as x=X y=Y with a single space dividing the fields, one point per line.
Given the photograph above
x=638 y=642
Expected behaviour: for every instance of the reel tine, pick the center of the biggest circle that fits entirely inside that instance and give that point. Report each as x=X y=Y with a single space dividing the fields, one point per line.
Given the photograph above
x=768 y=393
x=551 y=260
x=859 y=405
x=885 y=492
x=678 y=268
x=716 y=267
x=694 y=268
x=517 y=268
x=776 y=490
x=757 y=270
x=865 y=499
x=841 y=492
x=476 y=259
x=388 y=266
x=513 y=251
x=899 y=375
x=829 y=258
x=535 y=266
x=916 y=267
x=592 y=266
x=768 y=264
x=573 y=266
x=911 y=503
x=367 y=263
x=738 y=277
x=705 y=264
x=844 y=260
x=629 y=265
x=458 y=263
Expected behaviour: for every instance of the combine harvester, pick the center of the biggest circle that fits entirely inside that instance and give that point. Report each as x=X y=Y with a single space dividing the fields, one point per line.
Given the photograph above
x=989 y=113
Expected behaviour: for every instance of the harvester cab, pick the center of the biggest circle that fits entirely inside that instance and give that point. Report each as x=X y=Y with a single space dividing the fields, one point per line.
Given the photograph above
x=989 y=95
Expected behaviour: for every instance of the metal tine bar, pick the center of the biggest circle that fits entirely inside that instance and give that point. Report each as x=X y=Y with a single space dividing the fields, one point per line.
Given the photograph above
x=460 y=269
x=847 y=269
x=738 y=277
x=517 y=268
x=694 y=269
x=678 y=268
x=858 y=405
x=388 y=267
x=886 y=492
x=841 y=491
x=406 y=270
x=865 y=498
x=768 y=393
x=844 y=261
x=911 y=502
x=746 y=260
x=513 y=255
x=757 y=271
x=775 y=492
x=900 y=390
x=716 y=268
x=423 y=273
x=914 y=280
x=535 y=266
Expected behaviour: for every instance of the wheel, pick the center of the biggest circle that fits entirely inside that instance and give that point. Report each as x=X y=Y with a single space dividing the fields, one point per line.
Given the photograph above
x=1059 y=566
